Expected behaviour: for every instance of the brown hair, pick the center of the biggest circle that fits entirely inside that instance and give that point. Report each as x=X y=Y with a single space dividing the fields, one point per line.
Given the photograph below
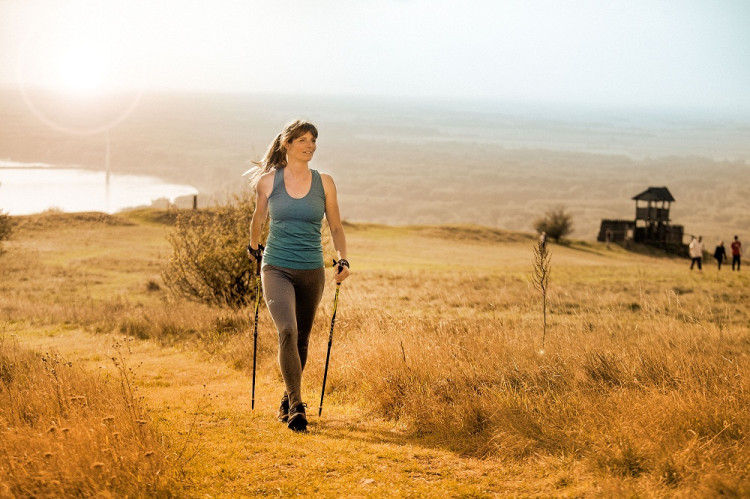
x=275 y=156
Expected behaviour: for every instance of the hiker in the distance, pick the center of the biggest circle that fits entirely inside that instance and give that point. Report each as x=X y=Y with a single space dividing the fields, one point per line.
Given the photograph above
x=296 y=197
x=720 y=253
x=696 y=252
x=736 y=252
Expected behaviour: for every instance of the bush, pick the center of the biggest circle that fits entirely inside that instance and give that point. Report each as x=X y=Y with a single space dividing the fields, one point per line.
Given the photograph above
x=5 y=226
x=557 y=223
x=209 y=262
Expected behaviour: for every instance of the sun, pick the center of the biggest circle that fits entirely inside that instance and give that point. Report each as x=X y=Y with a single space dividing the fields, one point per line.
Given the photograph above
x=76 y=72
x=82 y=68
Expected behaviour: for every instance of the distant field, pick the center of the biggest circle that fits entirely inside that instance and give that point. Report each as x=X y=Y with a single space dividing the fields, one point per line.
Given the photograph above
x=399 y=162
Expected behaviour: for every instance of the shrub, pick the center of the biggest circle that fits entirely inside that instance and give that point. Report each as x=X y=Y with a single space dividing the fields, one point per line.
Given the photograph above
x=209 y=262
x=5 y=226
x=557 y=223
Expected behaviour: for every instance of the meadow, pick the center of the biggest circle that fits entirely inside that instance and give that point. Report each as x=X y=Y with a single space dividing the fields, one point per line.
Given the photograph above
x=439 y=384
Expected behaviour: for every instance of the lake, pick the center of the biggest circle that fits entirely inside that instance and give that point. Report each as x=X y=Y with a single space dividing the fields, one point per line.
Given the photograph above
x=27 y=188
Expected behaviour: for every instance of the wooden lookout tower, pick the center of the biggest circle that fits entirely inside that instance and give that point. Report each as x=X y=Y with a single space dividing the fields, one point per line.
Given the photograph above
x=652 y=224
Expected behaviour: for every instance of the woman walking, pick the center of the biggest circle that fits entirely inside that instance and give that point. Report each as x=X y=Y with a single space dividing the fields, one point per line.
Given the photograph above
x=296 y=197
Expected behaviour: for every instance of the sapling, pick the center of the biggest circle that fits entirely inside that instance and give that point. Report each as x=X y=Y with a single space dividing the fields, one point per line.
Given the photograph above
x=540 y=278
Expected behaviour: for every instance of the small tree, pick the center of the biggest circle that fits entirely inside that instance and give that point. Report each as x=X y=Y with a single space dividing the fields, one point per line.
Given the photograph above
x=540 y=278
x=209 y=262
x=6 y=227
x=557 y=223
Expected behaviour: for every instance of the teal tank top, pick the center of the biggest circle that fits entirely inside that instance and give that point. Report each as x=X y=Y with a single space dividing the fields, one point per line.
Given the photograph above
x=294 y=239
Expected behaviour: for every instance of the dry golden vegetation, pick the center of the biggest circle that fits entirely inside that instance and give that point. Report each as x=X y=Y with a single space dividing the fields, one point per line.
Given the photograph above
x=437 y=385
x=67 y=432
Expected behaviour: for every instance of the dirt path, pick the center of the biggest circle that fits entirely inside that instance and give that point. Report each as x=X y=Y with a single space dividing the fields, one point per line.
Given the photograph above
x=239 y=452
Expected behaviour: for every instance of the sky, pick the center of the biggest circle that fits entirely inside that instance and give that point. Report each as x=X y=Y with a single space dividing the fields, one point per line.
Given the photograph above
x=618 y=53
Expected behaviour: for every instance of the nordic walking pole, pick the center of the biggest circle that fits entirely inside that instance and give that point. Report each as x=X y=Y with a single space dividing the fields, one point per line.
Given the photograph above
x=257 y=305
x=330 y=340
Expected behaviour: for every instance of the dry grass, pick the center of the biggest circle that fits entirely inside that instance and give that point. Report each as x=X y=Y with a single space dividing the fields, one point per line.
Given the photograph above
x=644 y=378
x=67 y=432
x=642 y=388
x=629 y=404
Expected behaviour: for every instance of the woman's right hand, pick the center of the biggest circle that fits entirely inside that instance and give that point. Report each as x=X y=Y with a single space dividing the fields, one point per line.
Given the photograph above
x=255 y=254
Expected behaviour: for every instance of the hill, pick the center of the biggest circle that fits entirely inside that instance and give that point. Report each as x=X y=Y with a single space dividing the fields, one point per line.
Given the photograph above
x=401 y=163
x=438 y=384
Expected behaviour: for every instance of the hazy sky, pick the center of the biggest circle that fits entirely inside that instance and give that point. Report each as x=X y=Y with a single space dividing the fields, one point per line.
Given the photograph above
x=686 y=53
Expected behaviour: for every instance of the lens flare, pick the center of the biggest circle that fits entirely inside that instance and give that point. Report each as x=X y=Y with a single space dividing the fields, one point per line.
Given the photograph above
x=77 y=76
x=82 y=68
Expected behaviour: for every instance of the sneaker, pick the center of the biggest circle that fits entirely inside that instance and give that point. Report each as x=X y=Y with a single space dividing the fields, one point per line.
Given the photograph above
x=284 y=410
x=297 y=418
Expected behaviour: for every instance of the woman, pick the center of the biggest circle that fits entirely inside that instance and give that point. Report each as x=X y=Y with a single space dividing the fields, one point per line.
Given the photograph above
x=296 y=197
x=720 y=253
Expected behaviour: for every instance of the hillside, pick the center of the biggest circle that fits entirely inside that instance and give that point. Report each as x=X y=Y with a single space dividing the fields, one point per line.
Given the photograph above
x=402 y=163
x=438 y=385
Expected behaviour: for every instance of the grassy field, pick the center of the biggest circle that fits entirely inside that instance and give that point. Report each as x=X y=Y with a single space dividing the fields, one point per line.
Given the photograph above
x=438 y=385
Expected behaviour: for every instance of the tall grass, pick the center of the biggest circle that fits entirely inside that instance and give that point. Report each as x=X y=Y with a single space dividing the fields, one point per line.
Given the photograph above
x=644 y=378
x=652 y=390
x=66 y=432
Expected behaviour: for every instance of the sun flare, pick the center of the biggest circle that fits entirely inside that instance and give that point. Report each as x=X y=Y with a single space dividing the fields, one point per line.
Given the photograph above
x=82 y=69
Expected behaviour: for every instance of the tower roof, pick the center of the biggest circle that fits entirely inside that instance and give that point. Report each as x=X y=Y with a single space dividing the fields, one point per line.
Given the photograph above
x=655 y=194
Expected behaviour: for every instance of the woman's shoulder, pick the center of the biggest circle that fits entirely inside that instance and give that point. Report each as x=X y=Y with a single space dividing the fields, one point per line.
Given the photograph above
x=326 y=178
x=265 y=182
x=327 y=181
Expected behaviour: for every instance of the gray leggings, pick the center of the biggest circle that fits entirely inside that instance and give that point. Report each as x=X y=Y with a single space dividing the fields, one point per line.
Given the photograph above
x=292 y=297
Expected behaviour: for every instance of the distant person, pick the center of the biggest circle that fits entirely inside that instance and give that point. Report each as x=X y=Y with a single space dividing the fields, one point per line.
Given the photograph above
x=696 y=252
x=296 y=197
x=736 y=252
x=720 y=253
x=543 y=239
x=608 y=237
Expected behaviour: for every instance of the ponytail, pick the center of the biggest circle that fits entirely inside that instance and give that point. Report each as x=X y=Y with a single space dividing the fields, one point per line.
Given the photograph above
x=275 y=157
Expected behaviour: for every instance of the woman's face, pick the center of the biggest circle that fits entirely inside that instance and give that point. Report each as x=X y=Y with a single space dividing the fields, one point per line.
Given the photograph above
x=302 y=148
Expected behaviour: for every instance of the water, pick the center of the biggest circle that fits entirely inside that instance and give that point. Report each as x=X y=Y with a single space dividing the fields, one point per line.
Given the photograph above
x=27 y=188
